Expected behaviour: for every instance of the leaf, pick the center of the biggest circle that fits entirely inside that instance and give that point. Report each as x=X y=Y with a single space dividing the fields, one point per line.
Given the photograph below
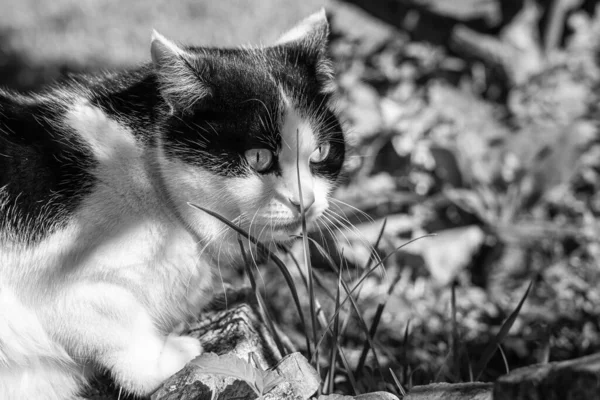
x=270 y=380
x=232 y=366
x=226 y=365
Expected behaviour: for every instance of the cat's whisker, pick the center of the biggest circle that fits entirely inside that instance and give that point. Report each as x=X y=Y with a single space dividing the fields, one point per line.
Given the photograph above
x=333 y=224
x=250 y=246
x=337 y=203
x=374 y=251
x=339 y=249
x=346 y=224
x=324 y=240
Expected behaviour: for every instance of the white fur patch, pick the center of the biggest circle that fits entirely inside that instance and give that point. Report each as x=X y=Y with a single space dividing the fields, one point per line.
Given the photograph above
x=108 y=140
x=282 y=192
x=298 y=142
x=122 y=258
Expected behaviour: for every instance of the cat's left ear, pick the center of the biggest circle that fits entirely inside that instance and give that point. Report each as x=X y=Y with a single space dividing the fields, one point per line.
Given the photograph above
x=179 y=73
x=311 y=37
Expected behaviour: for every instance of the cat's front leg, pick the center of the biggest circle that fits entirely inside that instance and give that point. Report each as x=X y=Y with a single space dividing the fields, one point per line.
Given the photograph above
x=120 y=335
x=144 y=363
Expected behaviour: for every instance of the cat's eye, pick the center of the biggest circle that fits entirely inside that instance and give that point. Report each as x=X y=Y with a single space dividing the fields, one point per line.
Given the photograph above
x=320 y=153
x=259 y=159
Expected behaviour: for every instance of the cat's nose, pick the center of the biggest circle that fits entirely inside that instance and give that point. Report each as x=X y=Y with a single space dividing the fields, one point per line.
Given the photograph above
x=308 y=201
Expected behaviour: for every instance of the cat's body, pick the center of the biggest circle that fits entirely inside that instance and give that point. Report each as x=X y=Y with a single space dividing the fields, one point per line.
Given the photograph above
x=101 y=258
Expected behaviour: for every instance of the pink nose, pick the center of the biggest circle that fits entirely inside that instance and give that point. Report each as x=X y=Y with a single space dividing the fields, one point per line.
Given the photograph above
x=308 y=201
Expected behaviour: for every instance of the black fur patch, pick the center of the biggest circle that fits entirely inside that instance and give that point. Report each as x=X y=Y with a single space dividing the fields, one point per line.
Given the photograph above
x=131 y=98
x=245 y=109
x=44 y=173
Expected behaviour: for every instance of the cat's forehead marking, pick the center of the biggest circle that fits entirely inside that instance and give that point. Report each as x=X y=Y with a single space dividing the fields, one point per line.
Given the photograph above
x=297 y=134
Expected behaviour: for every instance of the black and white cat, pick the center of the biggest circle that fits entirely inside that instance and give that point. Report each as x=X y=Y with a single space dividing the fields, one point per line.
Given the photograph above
x=101 y=256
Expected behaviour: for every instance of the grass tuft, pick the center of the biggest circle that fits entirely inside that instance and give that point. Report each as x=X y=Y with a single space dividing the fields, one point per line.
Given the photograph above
x=266 y=315
x=491 y=348
x=285 y=272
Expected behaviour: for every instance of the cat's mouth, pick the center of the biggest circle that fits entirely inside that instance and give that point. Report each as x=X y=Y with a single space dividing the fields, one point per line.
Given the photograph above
x=279 y=229
x=285 y=231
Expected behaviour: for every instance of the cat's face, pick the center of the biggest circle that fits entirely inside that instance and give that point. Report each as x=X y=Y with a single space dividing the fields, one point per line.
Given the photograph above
x=250 y=135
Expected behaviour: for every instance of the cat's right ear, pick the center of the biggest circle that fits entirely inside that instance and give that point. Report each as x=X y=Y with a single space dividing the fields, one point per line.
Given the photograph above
x=179 y=73
x=310 y=36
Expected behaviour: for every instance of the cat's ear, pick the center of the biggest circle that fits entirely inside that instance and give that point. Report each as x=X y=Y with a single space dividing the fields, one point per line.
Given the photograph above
x=179 y=73
x=311 y=37
x=312 y=32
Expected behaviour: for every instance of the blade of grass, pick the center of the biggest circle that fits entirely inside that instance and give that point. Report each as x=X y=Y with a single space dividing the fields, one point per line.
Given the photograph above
x=286 y=274
x=363 y=324
x=405 y=352
x=321 y=317
x=544 y=355
x=452 y=355
x=464 y=351
x=444 y=366
x=374 y=326
x=374 y=255
x=503 y=358
x=320 y=281
x=398 y=384
x=351 y=377
x=266 y=316
x=367 y=273
x=455 y=340
x=348 y=316
x=471 y=378
x=336 y=325
x=490 y=349
x=311 y=289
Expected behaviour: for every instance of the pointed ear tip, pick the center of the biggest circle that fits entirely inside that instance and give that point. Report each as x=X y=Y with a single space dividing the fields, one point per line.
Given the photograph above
x=155 y=35
x=320 y=16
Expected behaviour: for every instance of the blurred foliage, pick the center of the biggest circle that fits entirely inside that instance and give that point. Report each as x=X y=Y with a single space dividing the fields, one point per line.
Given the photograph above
x=488 y=138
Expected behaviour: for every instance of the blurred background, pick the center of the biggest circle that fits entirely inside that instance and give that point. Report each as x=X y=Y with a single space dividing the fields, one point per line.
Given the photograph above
x=476 y=120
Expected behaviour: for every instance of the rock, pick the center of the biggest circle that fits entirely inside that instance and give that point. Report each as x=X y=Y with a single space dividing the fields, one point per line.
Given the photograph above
x=366 y=396
x=300 y=382
x=573 y=379
x=376 y=396
x=452 y=391
x=296 y=370
x=449 y=252
x=231 y=324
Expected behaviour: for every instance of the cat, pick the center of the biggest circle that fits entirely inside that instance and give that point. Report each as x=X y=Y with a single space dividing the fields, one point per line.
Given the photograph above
x=101 y=256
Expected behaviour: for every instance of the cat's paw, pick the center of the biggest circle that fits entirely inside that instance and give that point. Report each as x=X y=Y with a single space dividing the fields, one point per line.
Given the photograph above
x=177 y=352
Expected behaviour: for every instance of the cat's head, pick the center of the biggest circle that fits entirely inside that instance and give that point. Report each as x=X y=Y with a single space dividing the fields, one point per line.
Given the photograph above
x=250 y=133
